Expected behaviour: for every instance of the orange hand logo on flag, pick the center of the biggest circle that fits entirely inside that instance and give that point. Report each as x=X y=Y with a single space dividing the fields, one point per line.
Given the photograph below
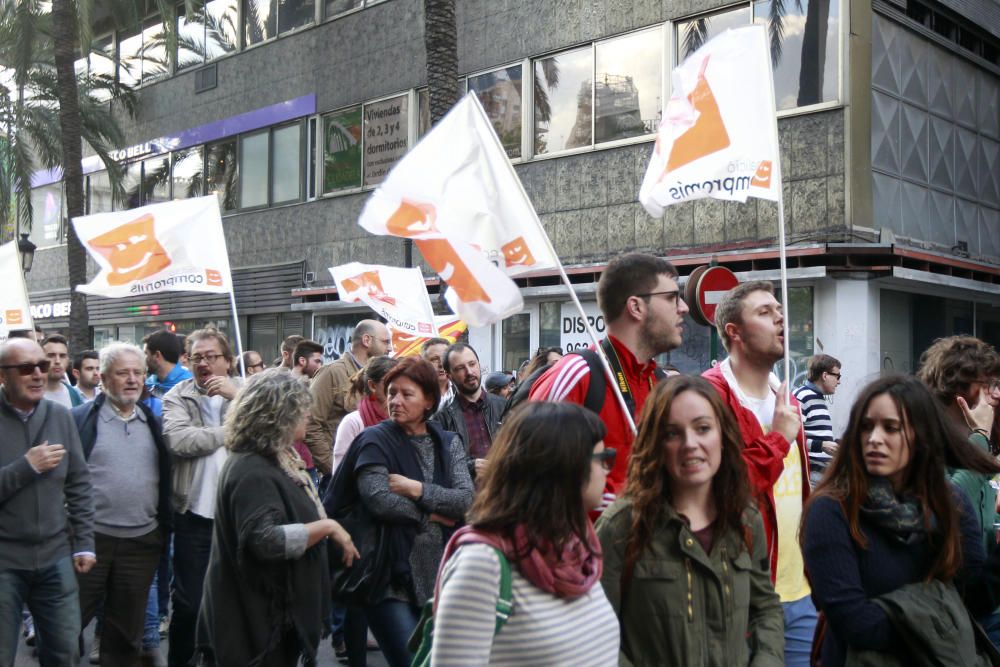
x=15 y=317
x=132 y=250
x=762 y=178
x=367 y=283
x=413 y=219
x=517 y=253
x=707 y=135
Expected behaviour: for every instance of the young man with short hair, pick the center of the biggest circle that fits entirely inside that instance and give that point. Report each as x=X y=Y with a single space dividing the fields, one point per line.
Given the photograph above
x=307 y=359
x=57 y=387
x=87 y=373
x=822 y=380
x=163 y=355
x=750 y=322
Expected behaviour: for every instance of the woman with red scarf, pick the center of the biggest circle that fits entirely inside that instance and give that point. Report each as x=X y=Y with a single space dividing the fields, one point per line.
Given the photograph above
x=547 y=469
x=366 y=385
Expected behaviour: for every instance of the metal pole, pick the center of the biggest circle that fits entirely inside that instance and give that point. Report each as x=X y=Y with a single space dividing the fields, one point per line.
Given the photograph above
x=236 y=329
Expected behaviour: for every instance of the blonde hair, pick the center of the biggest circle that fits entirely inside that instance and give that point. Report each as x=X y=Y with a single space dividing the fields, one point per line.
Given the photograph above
x=264 y=414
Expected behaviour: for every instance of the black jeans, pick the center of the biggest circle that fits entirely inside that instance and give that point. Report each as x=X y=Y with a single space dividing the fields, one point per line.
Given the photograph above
x=121 y=578
x=192 y=547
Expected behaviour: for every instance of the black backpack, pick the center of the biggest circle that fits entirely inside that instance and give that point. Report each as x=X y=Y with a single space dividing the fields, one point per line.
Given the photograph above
x=594 y=400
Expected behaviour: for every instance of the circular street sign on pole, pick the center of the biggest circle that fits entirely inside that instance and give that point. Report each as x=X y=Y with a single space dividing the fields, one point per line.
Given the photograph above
x=705 y=288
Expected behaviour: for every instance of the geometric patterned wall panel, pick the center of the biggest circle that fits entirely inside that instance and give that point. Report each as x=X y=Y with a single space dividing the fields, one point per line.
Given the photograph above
x=965 y=93
x=942 y=210
x=942 y=153
x=989 y=231
x=988 y=94
x=917 y=220
x=940 y=86
x=989 y=171
x=885 y=132
x=913 y=143
x=965 y=163
x=967 y=224
x=913 y=68
x=886 y=202
x=885 y=56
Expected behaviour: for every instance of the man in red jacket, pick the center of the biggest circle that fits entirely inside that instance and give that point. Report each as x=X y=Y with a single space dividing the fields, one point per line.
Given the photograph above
x=749 y=320
x=644 y=315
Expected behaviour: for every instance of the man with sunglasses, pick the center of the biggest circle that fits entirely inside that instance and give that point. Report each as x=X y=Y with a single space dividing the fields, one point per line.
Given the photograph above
x=644 y=315
x=46 y=510
x=822 y=381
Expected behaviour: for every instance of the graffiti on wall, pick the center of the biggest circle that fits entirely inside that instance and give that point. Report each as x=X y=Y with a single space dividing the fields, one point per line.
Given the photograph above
x=335 y=339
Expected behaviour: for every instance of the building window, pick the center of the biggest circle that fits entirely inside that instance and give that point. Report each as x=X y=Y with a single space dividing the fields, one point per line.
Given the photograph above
x=208 y=33
x=549 y=324
x=99 y=196
x=142 y=53
x=286 y=164
x=629 y=86
x=132 y=184
x=342 y=150
x=799 y=311
x=264 y=19
x=516 y=341
x=221 y=173
x=386 y=127
x=693 y=33
x=47 y=208
x=804 y=41
x=253 y=170
x=500 y=94
x=101 y=62
x=563 y=101
x=130 y=57
x=332 y=8
x=156 y=180
x=187 y=176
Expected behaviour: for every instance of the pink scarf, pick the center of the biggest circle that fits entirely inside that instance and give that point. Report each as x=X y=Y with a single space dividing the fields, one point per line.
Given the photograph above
x=372 y=412
x=569 y=574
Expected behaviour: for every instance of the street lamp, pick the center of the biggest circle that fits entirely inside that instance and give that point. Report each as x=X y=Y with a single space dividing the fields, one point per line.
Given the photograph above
x=27 y=250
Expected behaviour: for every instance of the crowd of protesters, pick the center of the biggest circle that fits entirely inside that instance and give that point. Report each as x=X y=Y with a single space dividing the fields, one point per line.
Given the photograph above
x=472 y=519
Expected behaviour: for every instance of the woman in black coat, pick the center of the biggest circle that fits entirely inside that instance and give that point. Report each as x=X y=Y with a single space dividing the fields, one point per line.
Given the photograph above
x=267 y=585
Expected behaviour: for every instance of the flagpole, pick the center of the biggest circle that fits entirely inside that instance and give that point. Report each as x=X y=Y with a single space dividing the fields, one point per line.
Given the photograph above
x=608 y=373
x=236 y=329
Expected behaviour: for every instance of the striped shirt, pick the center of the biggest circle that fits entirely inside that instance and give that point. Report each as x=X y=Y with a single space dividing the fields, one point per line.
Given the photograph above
x=542 y=629
x=816 y=415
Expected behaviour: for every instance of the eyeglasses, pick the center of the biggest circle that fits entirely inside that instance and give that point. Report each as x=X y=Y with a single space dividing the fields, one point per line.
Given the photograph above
x=209 y=358
x=836 y=375
x=606 y=458
x=670 y=295
x=28 y=368
x=249 y=366
x=991 y=385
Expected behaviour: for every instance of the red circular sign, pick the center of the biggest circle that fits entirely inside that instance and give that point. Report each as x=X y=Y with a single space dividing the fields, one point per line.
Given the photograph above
x=707 y=285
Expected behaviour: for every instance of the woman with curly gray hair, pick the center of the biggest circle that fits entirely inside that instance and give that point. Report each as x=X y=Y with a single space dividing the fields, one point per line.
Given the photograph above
x=267 y=585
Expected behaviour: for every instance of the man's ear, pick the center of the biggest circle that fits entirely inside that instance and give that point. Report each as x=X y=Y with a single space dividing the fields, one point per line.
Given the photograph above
x=633 y=307
x=76 y=375
x=733 y=331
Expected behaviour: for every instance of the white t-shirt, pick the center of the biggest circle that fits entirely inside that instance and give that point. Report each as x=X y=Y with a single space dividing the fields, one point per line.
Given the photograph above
x=60 y=396
x=206 y=469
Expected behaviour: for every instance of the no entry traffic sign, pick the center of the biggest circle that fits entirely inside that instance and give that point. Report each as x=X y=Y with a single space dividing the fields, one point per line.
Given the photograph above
x=704 y=290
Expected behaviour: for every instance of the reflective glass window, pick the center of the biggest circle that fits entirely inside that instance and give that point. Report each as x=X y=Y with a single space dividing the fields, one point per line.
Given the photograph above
x=294 y=14
x=500 y=94
x=342 y=150
x=101 y=65
x=154 y=51
x=628 y=86
x=99 y=195
x=253 y=170
x=47 y=208
x=156 y=179
x=692 y=34
x=803 y=37
x=130 y=57
x=187 y=174
x=386 y=129
x=190 y=36
x=221 y=173
x=221 y=32
x=132 y=184
x=563 y=101
x=333 y=7
x=260 y=20
x=286 y=164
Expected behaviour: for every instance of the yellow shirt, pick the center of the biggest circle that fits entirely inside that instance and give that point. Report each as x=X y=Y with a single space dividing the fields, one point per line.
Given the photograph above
x=790 y=582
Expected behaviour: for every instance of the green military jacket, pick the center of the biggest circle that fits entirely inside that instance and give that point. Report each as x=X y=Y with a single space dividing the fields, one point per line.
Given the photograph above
x=688 y=608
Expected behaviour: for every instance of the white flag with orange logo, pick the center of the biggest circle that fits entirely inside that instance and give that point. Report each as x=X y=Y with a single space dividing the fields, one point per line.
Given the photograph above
x=719 y=134
x=456 y=195
x=176 y=246
x=14 y=310
x=397 y=295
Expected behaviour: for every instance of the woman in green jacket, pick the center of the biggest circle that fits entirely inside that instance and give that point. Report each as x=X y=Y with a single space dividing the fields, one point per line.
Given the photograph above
x=685 y=556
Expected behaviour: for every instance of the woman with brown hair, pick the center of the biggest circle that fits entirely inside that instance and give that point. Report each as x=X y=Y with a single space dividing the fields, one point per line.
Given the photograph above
x=885 y=516
x=547 y=469
x=685 y=555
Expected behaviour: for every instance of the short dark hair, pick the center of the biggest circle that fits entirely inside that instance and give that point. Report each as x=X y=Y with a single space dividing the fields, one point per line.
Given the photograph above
x=730 y=309
x=628 y=275
x=950 y=366
x=166 y=343
x=56 y=338
x=86 y=354
x=288 y=345
x=431 y=342
x=21 y=333
x=305 y=349
x=422 y=373
x=821 y=363
x=455 y=347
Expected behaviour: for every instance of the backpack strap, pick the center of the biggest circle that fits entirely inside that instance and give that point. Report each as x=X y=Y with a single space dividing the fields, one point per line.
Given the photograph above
x=594 y=401
x=505 y=603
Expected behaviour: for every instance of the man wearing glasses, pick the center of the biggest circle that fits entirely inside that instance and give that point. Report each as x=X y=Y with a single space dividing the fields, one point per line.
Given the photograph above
x=193 y=415
x=46 y=510
x=644 y=315
x=822 y=381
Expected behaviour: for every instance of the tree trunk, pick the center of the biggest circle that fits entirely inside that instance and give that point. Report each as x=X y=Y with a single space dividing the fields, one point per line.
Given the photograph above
x=65 y=34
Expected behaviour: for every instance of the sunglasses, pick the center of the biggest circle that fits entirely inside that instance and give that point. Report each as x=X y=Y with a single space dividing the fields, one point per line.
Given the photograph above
x=29 y=368
x=605 y=458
